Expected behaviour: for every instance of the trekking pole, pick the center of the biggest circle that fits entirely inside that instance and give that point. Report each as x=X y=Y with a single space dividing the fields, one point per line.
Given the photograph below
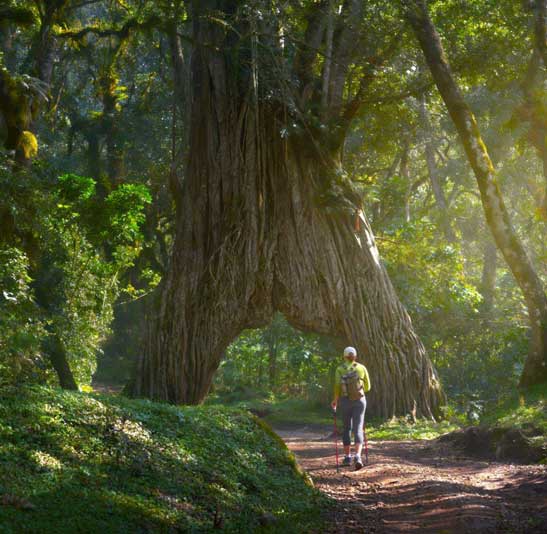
x=336 y=440
x=366 y=441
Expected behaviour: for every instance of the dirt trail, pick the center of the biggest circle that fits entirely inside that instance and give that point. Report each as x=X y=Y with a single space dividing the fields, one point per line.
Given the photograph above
x=424 y=487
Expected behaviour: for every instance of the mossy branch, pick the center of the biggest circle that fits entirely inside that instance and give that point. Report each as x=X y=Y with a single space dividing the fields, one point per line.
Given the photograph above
x=121 y=33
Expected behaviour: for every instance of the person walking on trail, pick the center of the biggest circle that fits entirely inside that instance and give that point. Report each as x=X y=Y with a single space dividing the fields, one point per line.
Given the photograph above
x=351 y=382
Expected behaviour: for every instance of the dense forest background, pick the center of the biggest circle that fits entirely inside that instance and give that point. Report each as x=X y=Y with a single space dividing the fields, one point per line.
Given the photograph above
x=94 y=99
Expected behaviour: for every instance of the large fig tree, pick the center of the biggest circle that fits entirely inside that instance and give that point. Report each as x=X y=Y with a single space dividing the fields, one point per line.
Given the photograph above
x=268 y=220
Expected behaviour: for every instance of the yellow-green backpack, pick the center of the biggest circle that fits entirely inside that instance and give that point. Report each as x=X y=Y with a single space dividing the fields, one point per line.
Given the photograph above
x=352 y=387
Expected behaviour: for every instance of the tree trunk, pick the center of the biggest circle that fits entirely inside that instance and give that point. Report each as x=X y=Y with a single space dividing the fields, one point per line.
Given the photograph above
x=436 y=186
x=488 y=281
x=328 y=56
x=111 y=130
x=406 y=177
x=253 y=238
x=7 y=34
x=180 y=108
x=16 y=109
x=55 y=350
x=260 y=374
x=272 y=358
x=532 y=108
x=497 y=217
x=44 y=51
x=93 y=159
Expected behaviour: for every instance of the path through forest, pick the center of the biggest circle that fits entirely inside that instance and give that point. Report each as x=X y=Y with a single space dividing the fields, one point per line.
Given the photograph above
x=424 y=487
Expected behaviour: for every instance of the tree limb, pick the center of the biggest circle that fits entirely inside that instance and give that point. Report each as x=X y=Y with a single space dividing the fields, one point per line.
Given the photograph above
x=121 y=33
x=343 y=47
x=308 y=50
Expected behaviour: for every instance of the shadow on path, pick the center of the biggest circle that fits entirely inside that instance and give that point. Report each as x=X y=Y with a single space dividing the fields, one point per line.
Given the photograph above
x=413 y=486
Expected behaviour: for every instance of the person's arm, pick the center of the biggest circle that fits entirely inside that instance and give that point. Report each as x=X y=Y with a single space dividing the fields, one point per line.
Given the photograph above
x=366 y=380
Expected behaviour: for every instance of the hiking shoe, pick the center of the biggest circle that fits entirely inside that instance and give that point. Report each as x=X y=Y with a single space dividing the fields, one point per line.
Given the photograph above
x=346 y=460
x=358 y=463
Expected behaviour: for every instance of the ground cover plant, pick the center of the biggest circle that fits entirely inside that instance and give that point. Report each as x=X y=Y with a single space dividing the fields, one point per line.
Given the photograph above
x=287 y=412
x=514 y=428
x=525 y=411
x=77 y=462
x=520 y=409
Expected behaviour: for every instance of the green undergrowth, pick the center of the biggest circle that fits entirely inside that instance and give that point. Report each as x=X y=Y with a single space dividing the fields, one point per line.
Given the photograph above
x=510 y=428
x=298 y=412
x=524 y=410
x=521 y=410
x=87 y=463
x=401 y=428
x=278 y=411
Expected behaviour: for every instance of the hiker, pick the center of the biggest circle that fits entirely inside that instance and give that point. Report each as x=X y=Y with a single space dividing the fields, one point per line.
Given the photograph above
x=351 y=382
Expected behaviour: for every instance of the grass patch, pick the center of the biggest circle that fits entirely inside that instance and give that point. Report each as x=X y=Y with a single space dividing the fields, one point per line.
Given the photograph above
x=295 y=411
x=277 y=411
x=522 y=410
x=513 y=428
x=299 y=412
x=78 y=462
x=400 y=428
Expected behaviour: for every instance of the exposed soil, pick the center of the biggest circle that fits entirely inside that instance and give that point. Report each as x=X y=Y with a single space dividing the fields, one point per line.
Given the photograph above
x=424 y=487
x=506 y=444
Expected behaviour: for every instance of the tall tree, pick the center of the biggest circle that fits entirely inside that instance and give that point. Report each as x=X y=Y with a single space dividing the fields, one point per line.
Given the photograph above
x=436 y=186
x=497 y=216
x=488 y=279
x=532 y=110
x=268 y=220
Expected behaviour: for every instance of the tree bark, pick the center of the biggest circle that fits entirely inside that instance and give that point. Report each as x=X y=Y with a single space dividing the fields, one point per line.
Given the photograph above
x=403 y=168
x=55 y=350
x=271 y=338
x=44 y=47
x=7 y=34
x=533 y=83
x=497 y=216
x=346 y=37
x=328 y=56
x=488 y=280
x=272 y=364
x=111 y=127
x=540 y=29
x=254 y=238
x=180 y=105
x=17 y=110
x=44 y=51
x=436 y=186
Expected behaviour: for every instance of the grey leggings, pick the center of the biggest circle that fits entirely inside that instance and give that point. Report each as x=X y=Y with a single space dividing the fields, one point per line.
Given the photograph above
x=353 y=416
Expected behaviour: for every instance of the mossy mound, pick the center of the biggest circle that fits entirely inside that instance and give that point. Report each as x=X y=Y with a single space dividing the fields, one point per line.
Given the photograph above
x=515 y=431
x=503 y=444
x=76 y=462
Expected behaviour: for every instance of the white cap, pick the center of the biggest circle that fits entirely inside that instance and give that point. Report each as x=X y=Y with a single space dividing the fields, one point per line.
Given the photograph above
x=350 y=351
